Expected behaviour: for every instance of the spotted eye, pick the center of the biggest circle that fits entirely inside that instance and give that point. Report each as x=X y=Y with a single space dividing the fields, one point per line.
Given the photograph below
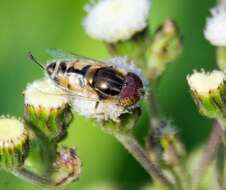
x=131 y=90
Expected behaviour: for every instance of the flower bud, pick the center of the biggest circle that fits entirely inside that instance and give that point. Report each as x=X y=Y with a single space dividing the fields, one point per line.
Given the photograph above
x=67 y=167
x=221 y=58
x=47 y=110
x=14 y=143
x=208 y=90
x=163 y=145
x=164 y=48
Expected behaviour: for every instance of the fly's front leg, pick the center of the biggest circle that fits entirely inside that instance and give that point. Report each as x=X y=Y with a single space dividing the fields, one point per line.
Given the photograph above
x=97 y=104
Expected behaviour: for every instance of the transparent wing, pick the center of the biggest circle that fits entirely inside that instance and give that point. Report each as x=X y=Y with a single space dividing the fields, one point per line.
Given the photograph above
x=60 y=54
x=69 y=93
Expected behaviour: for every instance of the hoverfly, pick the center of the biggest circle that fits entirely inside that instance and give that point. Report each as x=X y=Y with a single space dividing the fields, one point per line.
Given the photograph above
x=93 y=79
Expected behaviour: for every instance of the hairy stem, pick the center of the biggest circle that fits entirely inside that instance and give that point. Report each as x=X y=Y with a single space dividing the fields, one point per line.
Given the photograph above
x=220 y=165
x=46 y=153
x=209 y=153
x=31 y=177
x=154 y=107
x=131 y=144
x=180 y=169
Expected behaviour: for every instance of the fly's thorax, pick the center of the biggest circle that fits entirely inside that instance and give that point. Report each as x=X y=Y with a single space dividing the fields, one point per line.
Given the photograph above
x=106 y=81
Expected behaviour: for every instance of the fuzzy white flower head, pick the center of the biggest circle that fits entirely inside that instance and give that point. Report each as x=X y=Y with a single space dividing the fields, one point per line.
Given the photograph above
x=215 y=30
x=203 y=83
x=12 y=132
x=115 y=20
x=45 y=93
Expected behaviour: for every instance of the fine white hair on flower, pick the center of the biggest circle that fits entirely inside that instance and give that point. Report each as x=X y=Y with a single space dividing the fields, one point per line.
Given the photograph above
x=116 y=20
x=105 y=110
x=12 y=132
x=46 y=94
x=204 y=82
x=215 y=30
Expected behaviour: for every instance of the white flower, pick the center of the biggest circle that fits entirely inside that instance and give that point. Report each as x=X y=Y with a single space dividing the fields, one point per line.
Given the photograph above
x=46 y=94
x=203 y=83
x=104 y=110
x=115 y=20
x=215 y=30
x=12 y=132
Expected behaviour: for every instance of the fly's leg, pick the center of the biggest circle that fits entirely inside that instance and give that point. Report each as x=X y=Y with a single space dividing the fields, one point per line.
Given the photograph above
x=97 y=104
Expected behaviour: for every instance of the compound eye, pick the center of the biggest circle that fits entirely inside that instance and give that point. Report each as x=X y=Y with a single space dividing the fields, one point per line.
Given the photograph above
x=50 y=68
x=132 y=90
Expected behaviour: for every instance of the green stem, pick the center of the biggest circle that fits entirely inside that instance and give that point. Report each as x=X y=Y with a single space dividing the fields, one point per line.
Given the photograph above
x=220 y=165
x=180 y=169
x=46 y=153
x=209 y=153
x=31 y=177
x=131 y=144
x=177 y=178
x=156 y=116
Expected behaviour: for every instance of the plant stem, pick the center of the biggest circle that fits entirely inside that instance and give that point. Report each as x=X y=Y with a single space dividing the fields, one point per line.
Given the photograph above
x=154 y=107
x=31 y=177
x=220 y=165
x=131 y=144
x=46 y=152
x=209 y=153
x=179 y=168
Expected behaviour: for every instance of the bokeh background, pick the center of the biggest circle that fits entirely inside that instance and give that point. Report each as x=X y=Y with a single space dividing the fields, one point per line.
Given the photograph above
x=36 y=25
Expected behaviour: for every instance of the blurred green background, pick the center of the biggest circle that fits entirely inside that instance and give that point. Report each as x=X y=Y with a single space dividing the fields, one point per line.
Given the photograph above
x=37 y=25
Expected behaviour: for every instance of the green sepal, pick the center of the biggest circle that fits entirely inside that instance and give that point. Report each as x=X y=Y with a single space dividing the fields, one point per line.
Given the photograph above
x=221 y=58
x=212 y=105
x=126 y=123
x=53 y=123
x=164 y=48
x=14 y=151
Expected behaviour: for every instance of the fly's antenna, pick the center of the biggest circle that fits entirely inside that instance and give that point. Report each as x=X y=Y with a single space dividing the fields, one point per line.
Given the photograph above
x=32 y=58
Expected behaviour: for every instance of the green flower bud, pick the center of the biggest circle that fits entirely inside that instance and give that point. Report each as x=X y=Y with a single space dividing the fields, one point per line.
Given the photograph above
x=208 y=90
x=14 y=143
x=47 y=110
x=164 y=48
x=67 y=167
x=221 y=58
x=126 y=123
